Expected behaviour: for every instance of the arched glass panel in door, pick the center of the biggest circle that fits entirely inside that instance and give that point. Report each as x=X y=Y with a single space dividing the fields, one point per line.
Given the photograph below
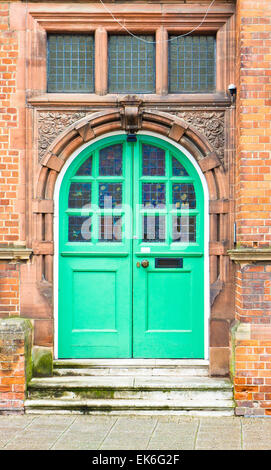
x=168 y=199
x=95 y=198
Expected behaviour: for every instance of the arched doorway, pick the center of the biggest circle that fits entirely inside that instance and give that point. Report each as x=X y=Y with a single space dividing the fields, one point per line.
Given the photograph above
x=132 y=246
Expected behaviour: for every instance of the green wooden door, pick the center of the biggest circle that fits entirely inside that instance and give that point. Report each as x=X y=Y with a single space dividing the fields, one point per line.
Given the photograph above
x=131 y=253
x=168 y=319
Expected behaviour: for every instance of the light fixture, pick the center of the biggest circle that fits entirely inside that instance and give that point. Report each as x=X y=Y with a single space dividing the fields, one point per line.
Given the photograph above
x=232 y=90
x=131 y=138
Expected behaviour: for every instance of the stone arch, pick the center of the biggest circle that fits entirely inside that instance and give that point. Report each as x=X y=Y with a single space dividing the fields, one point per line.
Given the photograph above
x=131 y=118
x=101 y=123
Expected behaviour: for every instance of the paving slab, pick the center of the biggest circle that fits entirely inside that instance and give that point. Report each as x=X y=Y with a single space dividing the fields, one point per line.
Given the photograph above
x=256 y=433
x=41 y=432
x=174 y=435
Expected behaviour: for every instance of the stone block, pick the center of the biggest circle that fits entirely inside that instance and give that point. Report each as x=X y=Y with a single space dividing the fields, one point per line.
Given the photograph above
x=219 y=361
x=42 y=358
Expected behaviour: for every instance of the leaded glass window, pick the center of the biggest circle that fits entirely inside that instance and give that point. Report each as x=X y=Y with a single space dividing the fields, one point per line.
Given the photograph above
x=111 y=161
x=80 y=195
x=131 y=64
x=183 y=195
x=153 y=195
x=154 y=228
x=110 y=195
x=79 y=229
x=86 y=168
x=110 y=229
x=70 y=63
x=95 y=202
x=184 y=229
x=153 y=161
x=192 y=64
x=168 y=198
x=177 y=168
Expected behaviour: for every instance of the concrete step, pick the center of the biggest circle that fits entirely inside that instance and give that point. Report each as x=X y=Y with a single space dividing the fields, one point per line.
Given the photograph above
x=129 y=407
x=134 y=394
x=131 y=367
x=131 y=386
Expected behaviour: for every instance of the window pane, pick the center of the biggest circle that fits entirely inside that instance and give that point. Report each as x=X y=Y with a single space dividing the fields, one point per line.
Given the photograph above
x=79 y=229
x=184 y=228
x=86 y=168
x=153 y=161
x=131 y=64
x=110 y=229
x=183 y=196
x=80 y=195
x=70 y=63
x=177 y=168
x=154 y=228
x=192 y=64
x=110 y=195
x=153 y=195
x=111 y=161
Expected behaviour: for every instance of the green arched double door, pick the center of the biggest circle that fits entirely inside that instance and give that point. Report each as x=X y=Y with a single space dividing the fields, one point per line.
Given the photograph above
x=131 y=252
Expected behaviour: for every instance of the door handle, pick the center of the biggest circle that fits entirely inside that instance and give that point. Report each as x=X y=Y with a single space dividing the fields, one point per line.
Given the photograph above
x=145 y=263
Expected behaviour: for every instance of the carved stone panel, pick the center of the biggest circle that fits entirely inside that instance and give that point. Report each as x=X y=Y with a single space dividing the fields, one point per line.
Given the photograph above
x=209 y=123
x=51 y=124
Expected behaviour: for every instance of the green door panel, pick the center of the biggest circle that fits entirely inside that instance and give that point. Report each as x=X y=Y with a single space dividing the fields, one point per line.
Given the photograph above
x=167 y=323
x=93 y=316
x=121 y=204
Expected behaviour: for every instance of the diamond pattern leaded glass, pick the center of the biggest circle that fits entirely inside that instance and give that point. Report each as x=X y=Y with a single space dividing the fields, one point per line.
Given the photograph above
x=110 y=163
x=70 y=63
x=153 y=161
x=131 y=64
x=80 y=195
x=192 y=64
x=183 y=194
x=110 y=195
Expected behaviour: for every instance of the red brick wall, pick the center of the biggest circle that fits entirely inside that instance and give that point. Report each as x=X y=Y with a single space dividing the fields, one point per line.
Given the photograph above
x=252 y=381
x=253 y=294
x=15 y=363
x=9 y=154
x=253 y=207
x=9 y=289
x=254 y=123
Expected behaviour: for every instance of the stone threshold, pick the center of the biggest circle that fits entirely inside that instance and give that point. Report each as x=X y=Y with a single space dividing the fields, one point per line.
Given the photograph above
x=131 y=362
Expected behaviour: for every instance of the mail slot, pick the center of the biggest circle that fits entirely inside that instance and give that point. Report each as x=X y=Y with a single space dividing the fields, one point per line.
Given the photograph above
x=168 y=262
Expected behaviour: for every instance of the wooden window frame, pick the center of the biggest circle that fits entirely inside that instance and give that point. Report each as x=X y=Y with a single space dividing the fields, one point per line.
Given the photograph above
x=150 y=20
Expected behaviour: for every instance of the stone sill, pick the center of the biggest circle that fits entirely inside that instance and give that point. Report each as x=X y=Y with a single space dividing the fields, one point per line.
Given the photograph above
x=9 y=253
x=250 y=255
x=112 y=100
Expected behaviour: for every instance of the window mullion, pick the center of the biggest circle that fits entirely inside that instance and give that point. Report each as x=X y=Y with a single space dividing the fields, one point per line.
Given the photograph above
x=101 y=61
x=161 y=61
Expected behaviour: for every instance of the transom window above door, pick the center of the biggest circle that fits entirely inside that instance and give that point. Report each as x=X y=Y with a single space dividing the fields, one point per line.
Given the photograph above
x=78 y=63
